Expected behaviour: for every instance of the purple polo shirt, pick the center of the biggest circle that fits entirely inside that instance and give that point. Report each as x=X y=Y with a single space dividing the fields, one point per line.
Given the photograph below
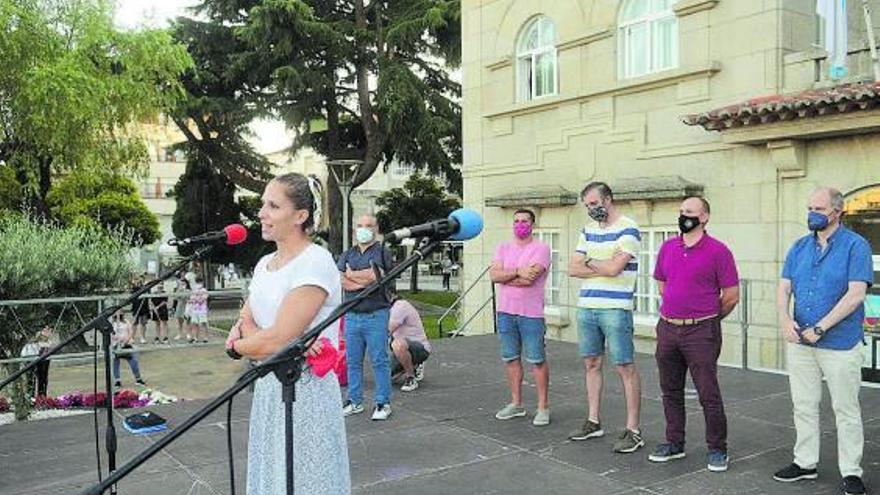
x=694 y=276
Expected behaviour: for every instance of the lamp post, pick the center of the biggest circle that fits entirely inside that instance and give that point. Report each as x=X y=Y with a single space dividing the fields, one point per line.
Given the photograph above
x=344 y=171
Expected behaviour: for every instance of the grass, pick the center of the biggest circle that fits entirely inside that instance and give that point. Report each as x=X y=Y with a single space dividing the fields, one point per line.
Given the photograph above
x=432 y=330
x=443 y=299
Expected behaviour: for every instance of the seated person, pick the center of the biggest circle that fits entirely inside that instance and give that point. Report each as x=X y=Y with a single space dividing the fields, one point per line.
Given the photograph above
x=409 y=343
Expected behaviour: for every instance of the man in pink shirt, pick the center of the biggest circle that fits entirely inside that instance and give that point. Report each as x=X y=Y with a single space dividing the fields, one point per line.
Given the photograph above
x=409 y=344
x=520 y=268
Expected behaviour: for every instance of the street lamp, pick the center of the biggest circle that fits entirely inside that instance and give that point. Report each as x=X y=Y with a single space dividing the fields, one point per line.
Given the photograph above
x=344 y=171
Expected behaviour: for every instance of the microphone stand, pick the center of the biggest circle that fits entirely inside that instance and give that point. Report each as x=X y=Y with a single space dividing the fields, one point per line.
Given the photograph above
x=287 y=365
x=102 y=324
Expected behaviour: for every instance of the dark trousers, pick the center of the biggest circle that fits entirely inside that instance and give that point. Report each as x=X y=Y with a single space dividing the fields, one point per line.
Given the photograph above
x=695 y=348
x=42 y=373
x=446 y=278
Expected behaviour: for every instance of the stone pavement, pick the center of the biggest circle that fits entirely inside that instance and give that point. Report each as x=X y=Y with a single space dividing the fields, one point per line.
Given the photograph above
x=443 y=439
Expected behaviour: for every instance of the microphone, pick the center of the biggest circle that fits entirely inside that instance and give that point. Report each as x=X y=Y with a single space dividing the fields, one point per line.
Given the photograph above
x=462 y=224
x=230 y=235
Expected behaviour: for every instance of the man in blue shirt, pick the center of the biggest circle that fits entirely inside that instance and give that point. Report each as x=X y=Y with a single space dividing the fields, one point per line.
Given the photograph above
x=828 y=272
x=366 y=325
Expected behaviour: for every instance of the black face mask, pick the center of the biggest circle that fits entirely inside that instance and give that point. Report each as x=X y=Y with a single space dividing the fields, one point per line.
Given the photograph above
x=687 y=224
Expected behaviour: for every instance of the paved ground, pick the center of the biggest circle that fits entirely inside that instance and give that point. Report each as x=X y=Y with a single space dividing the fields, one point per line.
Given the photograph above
x=442 y=439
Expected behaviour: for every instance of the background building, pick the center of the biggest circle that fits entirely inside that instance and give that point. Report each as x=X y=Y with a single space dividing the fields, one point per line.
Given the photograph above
x=662 y=99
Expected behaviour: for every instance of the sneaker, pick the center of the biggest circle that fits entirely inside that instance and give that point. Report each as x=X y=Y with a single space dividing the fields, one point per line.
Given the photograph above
x=510 y=411
x=666 y=452
x=409 y=384
x=118 y=384
x=542 y=417
x=156 y=340
x=716 y=461
x=381 y=412
x=177 y=337
x=590 y=429
x=852 y=485
x=628 y=442
x=140 y=381
x=143 y=341
x=420 y=372
x=352 y=408
x=793 y=472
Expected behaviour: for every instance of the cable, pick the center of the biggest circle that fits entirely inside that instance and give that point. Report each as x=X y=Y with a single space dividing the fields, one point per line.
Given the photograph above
x=229 y=446
x=95 y=394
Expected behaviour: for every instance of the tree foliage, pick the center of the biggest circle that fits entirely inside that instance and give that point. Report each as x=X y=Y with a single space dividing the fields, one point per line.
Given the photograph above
x=72 y=87
x=419 y=199
x=206 y=202
x=356 y=80
x=104 y=199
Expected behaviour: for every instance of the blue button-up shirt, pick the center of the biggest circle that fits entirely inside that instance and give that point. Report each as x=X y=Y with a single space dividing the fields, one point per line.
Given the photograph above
x=820 y=278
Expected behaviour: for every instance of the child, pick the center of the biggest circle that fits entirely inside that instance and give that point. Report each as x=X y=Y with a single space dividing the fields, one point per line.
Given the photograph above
x=121 y=341
x=198 y=307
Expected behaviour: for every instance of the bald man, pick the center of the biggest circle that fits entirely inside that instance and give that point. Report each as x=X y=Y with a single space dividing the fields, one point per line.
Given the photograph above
x=699 y=284
x=366 y=324
x=828 y=272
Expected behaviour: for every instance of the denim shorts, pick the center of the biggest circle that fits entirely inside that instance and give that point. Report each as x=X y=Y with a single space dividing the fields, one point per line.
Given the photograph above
x=595 y=326
x=521 y=335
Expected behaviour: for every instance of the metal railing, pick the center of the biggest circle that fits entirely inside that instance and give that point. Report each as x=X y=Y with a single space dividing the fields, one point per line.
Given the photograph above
x=458 y=301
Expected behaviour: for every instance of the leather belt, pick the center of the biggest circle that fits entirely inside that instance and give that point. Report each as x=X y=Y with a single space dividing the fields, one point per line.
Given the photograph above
x=687 y=321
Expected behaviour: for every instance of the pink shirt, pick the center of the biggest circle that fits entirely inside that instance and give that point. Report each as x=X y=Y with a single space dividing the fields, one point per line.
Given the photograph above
x=407 y=323
x=522 y=301
x=694 y=276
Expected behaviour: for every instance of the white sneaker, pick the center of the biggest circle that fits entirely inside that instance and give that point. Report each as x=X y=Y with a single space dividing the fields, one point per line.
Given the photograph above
x=381 y=412
x=352 y=408
x=420 y=372
x=409 y=384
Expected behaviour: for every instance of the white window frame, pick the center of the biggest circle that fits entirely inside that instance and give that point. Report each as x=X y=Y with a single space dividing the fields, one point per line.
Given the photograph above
x=647 y=294
x=526 y=89
x=650 y=20
x=555 y=275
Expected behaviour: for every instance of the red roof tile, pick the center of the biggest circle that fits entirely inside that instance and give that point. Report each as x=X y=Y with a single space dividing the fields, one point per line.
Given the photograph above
x=773 y=108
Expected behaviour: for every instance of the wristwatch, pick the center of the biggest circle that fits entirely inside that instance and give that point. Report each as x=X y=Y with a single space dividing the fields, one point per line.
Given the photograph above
x=819 y=331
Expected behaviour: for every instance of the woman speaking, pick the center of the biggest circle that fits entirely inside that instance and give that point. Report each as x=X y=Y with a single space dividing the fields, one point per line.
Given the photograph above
x=293 y=289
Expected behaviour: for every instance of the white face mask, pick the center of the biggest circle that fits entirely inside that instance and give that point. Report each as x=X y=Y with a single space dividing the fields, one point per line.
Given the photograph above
x=363 y=235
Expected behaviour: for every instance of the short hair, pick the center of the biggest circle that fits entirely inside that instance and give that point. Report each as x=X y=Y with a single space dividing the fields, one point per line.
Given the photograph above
x=603 y=188
x=834 y=195
x=528 y=212
x=703 y=201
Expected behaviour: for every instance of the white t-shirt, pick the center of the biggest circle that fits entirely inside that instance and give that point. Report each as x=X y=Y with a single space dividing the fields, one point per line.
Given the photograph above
x=314 y=266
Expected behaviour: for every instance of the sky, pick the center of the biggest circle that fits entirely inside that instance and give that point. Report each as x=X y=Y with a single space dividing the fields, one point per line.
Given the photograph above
x=269 y=135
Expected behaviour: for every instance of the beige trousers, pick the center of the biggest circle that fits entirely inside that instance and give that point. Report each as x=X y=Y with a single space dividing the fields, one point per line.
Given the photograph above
x=842 y=371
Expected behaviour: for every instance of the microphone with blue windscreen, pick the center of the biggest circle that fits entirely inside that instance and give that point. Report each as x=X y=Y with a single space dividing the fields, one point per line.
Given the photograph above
x=461 y=225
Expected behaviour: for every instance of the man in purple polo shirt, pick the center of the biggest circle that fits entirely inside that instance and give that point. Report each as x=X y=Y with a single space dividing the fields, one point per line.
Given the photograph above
x=699 y=284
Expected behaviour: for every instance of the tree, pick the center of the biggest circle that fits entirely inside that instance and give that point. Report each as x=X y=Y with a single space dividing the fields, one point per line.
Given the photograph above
x=419 y=198
x=94 y=262
x=105 y=199
x=375 y=77
x=205 y=201
x=72 y=87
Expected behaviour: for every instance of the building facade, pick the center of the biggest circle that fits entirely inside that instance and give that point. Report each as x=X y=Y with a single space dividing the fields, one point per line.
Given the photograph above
x=661 y=99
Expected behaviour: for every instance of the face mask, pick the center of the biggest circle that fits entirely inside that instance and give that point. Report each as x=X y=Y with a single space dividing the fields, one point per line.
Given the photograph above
x=598 y=213
x=522 y=230
x=817 y=221
x=363 y=235
x=687 y=224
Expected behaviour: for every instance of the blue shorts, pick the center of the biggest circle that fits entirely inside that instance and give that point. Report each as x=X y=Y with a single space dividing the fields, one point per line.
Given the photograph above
x=521 y=335
x=595 y=326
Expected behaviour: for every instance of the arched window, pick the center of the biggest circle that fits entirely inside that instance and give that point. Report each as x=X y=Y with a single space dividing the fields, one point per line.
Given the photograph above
x=648 y=37
x=536 y=62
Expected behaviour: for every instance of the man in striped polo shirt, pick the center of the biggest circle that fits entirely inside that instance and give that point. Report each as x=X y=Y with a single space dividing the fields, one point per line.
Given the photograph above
x=606 y=261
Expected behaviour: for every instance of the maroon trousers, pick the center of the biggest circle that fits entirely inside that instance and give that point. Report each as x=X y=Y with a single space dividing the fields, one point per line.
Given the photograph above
x=695 y=348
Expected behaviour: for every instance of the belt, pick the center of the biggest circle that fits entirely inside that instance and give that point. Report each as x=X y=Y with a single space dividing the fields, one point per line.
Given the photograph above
x=686 y=321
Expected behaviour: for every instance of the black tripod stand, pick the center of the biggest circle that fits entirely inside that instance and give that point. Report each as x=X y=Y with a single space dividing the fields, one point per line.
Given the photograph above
x=286 y=364
x=102 y=324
